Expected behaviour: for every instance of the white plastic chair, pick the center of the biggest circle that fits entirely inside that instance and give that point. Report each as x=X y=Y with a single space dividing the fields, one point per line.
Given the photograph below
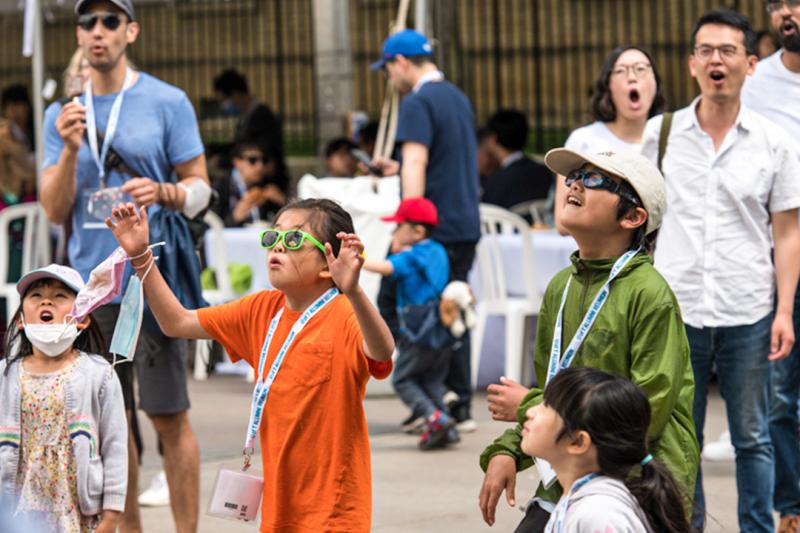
x=494 y=298
x=223 y=293
x=35 y=247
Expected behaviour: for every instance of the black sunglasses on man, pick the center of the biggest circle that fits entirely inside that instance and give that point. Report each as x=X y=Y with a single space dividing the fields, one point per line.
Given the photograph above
x=110 y=21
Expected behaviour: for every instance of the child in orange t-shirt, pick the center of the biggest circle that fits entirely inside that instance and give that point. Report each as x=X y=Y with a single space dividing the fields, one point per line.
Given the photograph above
x=320 y=346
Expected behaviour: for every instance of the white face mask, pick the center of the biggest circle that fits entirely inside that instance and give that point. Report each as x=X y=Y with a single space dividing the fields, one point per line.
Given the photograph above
x=51 y=339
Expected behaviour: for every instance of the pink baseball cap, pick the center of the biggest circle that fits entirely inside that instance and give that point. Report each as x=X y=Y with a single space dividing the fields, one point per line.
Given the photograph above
x=66 y=275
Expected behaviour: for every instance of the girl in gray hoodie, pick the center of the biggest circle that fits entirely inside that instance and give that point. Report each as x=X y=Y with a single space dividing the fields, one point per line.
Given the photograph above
x=592 y=428
x=63 y=433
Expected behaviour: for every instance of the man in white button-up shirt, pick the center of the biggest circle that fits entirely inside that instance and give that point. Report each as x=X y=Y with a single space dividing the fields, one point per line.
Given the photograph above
x=774 y=91
x=729 y=174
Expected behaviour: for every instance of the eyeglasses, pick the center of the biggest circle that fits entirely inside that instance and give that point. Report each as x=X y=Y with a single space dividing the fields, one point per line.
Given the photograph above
x=292 y=238
x=594 y=179
x=640 y=70
x=773 y=5
x=706 y=51
x=254 y=159
x=111 y=21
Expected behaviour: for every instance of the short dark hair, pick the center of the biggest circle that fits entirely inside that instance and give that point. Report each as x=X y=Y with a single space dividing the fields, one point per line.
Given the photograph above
x=230 y=81
x=731 y=18
x=339 y=143
x=602 y=104
x=15 y=94
x=242 y=146
x=510 y=127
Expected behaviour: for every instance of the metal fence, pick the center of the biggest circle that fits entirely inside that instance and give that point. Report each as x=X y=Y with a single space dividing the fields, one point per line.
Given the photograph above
x=540 y=56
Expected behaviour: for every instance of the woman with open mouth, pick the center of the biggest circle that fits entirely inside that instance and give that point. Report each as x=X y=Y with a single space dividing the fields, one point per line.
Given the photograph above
x=626 y=93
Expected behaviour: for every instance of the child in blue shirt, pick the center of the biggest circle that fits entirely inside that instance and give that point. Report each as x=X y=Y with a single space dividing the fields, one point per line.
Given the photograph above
x=420 y=267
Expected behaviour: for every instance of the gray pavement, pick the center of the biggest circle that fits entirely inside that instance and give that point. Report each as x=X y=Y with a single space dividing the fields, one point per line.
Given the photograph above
x=412 y=490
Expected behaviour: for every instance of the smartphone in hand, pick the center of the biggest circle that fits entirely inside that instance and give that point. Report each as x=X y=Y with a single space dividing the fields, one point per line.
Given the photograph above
x=362 y=157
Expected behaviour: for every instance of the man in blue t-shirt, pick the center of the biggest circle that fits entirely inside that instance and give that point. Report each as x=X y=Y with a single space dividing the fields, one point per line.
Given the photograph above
x=436 y=130
x=420 y=268
x=146 y=130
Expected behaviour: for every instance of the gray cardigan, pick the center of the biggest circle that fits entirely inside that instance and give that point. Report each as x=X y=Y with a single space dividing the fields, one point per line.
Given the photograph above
x=97 y=427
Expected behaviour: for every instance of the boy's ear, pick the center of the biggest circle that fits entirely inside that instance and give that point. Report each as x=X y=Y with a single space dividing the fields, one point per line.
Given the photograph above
x=634 y=218
x=84 y=324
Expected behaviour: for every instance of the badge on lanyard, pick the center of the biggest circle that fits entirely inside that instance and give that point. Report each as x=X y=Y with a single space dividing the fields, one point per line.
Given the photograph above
x=97 y=203
x=236 y=494
x=557 y=362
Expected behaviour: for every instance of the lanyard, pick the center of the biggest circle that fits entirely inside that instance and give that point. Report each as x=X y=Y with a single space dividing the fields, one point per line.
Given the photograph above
x=113 y=119
x=556 y=522
x=264 y=383
x=553 y=366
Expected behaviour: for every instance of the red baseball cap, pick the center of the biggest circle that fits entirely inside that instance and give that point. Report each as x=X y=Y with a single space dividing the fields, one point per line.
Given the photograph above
x=419 y=210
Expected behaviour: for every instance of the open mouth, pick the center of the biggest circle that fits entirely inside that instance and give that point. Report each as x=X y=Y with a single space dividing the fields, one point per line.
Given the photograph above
x=574 y=200
x=634 y=96
x=788 y=27
x=46 y=316
x=717 y=75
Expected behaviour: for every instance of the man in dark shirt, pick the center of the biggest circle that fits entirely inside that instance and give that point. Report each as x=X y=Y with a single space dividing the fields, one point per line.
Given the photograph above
x=257 y=123
x=519 y=179
x=436 y=133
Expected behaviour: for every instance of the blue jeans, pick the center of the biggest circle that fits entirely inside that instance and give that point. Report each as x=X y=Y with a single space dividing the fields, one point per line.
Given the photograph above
x=783 y=423
x=419 y=376
x=740 y=354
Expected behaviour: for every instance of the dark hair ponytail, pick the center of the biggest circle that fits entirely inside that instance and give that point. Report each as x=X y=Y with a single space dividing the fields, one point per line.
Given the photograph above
x=616 y=415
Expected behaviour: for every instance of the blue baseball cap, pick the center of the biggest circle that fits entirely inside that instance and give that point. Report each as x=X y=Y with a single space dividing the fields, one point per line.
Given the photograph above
x=408 y=43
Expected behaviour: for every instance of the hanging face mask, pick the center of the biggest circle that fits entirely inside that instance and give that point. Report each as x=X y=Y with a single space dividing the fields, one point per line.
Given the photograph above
x=129 y=322
x=131 y=311
x=105 y=284
x=51 y=339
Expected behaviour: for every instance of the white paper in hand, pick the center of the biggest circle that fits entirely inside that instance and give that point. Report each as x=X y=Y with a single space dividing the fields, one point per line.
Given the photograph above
x=546 y=472
x=236 y=495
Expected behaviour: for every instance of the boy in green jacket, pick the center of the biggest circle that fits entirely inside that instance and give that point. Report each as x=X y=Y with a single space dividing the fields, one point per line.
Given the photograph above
x=617 y=314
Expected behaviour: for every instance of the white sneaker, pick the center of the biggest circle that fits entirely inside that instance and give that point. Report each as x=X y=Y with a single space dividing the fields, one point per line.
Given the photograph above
x=157 y=494
x=467 y=426
x=720 y=450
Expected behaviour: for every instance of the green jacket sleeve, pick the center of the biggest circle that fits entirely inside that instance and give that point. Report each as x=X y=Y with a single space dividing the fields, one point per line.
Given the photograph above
x=659 y=359
x=509 y=442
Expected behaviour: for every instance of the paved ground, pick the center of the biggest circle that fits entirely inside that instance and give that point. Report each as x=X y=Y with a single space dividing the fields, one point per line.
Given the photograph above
x=412 y=491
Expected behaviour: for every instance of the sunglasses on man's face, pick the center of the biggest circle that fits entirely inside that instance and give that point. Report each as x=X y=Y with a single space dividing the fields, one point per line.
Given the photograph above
x=111 y=21
x=292 y=239
x=254 y=159
x=594 y=179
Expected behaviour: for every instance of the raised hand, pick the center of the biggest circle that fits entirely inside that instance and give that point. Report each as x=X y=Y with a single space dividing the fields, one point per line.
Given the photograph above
x=71 y=123
x=346 y=268
x=130 y=228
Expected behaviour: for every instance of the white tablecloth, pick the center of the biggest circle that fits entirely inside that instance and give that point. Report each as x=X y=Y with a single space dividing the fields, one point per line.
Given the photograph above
x=551 y=253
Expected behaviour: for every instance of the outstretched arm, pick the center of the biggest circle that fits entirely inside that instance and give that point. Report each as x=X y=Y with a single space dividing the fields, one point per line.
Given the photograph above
x=133 y=233
x=345 y=269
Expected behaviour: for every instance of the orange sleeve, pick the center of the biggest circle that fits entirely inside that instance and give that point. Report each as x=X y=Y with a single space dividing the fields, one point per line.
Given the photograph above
x=235 y=325
x=354 y=338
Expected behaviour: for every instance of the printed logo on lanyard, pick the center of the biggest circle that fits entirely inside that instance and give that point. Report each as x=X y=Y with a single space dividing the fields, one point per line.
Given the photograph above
x=113 y=120
x=556 y=522
x=557 y=362
x=264 y=383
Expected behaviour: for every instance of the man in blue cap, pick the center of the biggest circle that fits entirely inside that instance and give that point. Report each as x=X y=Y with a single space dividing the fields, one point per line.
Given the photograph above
x=438 y=160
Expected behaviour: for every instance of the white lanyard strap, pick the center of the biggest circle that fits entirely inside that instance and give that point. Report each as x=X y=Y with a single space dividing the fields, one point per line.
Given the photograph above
x=556 y=522
x=264 y=383
x=599 y=301
x=113 y=120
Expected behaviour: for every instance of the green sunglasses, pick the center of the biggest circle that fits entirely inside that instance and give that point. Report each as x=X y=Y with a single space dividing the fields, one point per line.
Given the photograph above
x=292 y=238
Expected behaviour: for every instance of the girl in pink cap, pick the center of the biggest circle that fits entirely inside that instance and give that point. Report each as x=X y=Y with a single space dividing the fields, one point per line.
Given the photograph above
x=63 y=438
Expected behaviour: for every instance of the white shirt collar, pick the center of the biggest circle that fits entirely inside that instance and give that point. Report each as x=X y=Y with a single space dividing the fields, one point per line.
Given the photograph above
x=512 y=158
x=743 y=118
x=434 y=75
